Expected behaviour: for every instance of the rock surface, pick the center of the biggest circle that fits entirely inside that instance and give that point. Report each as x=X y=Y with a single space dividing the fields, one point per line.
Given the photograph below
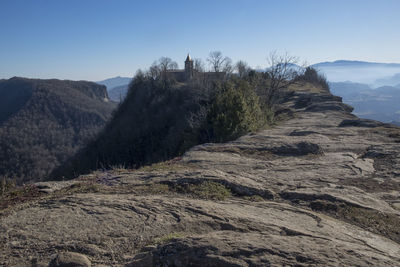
x=70 y=259
x=321 y=189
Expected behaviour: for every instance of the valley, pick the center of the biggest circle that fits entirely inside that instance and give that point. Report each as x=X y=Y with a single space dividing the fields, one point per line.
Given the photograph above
x=44 y=122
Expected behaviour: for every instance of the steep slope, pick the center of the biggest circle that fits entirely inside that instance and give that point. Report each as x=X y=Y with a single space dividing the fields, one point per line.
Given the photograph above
x=12 y=100
x=118 y=93
x=151 y=125
x=321 y=189
x=44 y=122
x=114 y=82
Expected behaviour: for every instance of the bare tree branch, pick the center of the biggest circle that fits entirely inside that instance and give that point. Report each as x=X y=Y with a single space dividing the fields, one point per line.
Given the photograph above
x=217 y=61
x=242 y=68
x=198 y=65
x=282 y=72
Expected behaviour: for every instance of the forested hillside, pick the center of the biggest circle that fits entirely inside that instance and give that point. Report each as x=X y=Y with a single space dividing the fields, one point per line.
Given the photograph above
x=44 y=122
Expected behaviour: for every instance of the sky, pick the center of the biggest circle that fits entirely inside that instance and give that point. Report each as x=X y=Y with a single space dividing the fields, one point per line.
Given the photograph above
x=98 y=39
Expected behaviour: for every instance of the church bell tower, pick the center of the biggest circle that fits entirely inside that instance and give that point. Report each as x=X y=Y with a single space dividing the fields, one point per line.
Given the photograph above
x=188 y=67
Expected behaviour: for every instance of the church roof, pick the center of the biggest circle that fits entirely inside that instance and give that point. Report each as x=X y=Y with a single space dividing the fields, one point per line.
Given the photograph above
x=188 y=58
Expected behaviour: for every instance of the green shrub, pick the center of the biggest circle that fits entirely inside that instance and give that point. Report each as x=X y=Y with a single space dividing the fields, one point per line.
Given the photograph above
x=235 y=110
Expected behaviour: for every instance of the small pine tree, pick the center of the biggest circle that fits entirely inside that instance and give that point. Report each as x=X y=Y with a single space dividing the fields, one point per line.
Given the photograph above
x=235 y=110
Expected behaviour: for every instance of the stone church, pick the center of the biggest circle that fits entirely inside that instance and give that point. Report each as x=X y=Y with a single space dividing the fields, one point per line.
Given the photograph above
x=189 y=72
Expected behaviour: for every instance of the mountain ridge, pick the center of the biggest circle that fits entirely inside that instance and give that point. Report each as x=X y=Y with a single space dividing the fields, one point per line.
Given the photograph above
x=343 y=62
x=113 y=82
x=318 y=189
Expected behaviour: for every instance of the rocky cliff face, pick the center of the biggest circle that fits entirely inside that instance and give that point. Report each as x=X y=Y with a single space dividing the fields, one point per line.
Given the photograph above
x=320 y=189
x=44 y=122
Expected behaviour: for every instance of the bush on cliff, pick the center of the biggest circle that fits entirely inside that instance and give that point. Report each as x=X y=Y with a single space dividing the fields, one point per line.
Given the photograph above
x=235 y=110
x=311 y=75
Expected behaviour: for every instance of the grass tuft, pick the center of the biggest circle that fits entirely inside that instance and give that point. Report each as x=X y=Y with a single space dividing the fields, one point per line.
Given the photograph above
x=168 y=165
x=254 y=198
x=83 y=187
x=374 y=221
x=168 y=238
x=206 y=190
x=12 y=195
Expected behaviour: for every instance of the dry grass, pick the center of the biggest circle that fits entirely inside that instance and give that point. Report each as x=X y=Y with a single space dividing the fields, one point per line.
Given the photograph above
x=374 y=221
x=81 y=187
x=6 y=185
x=168 y=238
x=381 y=223
x=205 y=190
x=254 y=198
x=392 y=133
x=242 y=151
x=17 y=195
x=168 y=165
x=152 y=189
x=119 y=168
x=306 y=87
x=373 y=185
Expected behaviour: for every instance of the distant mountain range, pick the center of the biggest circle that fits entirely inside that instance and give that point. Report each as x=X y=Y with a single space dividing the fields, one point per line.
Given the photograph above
x=117 y=87
x=372 y=88
x=381 y=104
x=44 y=122
x=114 y=82
x=371 y=73
x=353 y=63
x=392 y=81
x=118 y=93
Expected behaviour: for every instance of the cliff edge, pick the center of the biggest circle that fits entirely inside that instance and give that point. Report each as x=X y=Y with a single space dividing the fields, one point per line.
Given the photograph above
x=320 y=189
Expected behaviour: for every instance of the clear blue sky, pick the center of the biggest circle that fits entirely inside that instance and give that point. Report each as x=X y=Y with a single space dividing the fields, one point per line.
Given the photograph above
x=97 y=39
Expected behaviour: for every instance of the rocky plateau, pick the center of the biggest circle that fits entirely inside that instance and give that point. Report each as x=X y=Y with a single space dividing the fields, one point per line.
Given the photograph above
x=318 y=189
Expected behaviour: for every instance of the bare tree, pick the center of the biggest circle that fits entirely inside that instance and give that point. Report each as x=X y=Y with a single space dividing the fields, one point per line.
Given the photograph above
x=159 y=69
x=242 y=68
x=154 y=71
x=217 y=60
x=166 y=64
x=282 y=72
x=198 y=65
x=227 y=65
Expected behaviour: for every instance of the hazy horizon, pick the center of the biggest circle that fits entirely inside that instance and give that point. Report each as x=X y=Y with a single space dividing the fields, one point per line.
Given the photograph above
x=96 y=40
